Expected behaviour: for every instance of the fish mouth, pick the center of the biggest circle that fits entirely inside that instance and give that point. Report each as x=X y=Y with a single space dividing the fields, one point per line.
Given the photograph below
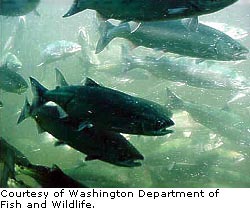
x=130 y=163
x=19 y=66
x=160 y=132
x=242 y=55
x=162 y=129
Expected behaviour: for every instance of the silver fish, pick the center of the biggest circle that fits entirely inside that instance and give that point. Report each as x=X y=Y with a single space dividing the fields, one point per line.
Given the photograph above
x=186 y=71
x=221 y=121
x=59 y=50
x=188 y=38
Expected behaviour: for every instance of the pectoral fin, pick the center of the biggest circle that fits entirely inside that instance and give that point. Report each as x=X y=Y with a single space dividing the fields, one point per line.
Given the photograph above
x=176 y=11
x=84 y=125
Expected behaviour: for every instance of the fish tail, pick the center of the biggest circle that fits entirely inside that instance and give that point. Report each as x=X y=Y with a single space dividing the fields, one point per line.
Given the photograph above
x=173 y=101
x=106 y=37
x=26 y=111
x=60 y=79
x=74 y=8
x=38 y=91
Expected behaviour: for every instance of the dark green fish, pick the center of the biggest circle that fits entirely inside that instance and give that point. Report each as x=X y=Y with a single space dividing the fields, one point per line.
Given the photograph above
x=107 y=109
x=50 y=177
x=9 y=157
x=148 y=10
x=183 y=37
x=95 y=143
x=12 y=82
x=17 y=7
x=13 y=162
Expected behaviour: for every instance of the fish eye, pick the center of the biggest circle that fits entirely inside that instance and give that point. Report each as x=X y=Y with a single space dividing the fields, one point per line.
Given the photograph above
x=159 y=123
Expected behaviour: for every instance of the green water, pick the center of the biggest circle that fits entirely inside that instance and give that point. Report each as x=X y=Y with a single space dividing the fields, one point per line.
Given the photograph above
x=193 y=156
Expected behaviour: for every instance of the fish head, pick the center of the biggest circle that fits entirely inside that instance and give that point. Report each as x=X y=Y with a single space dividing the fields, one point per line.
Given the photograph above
x=20 y=86
x=14 y=65
x=37 y=172
x=127 y=156
x=230 y=50
x=152 y=126
x=159 y=127
x=12 y=62
x=17 y=85
x=114 y=148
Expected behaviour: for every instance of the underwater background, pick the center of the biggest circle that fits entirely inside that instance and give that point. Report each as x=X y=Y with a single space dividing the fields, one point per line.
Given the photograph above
x=192 y=156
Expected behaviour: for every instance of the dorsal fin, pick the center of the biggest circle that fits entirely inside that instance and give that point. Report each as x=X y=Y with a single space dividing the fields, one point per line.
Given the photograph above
x=90 y=82
x=60 y=79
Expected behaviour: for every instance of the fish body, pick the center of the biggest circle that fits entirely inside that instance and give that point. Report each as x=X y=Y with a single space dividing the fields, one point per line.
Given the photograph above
x=12 y=82
x=59 y=50
x=16 y=37
x=9 y=156
x=222 y=122
x=149 y=10
x=17 y=7
x=52 y=177
x=176 y=37
x=186 y=71
x=95 y=143
x=108 y=109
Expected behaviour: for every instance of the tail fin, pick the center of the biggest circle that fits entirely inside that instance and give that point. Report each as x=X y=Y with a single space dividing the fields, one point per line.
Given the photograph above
x=60 y=79
x=38 y=91
x=26 y=112
x=105 y=38
x=75 y=8
x=173 y=101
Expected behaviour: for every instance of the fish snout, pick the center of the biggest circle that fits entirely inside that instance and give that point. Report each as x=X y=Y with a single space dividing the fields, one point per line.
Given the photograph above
x=163 y=123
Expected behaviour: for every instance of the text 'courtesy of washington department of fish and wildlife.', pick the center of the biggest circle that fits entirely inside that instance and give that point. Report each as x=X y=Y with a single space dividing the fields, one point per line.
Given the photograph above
x=94 y=198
